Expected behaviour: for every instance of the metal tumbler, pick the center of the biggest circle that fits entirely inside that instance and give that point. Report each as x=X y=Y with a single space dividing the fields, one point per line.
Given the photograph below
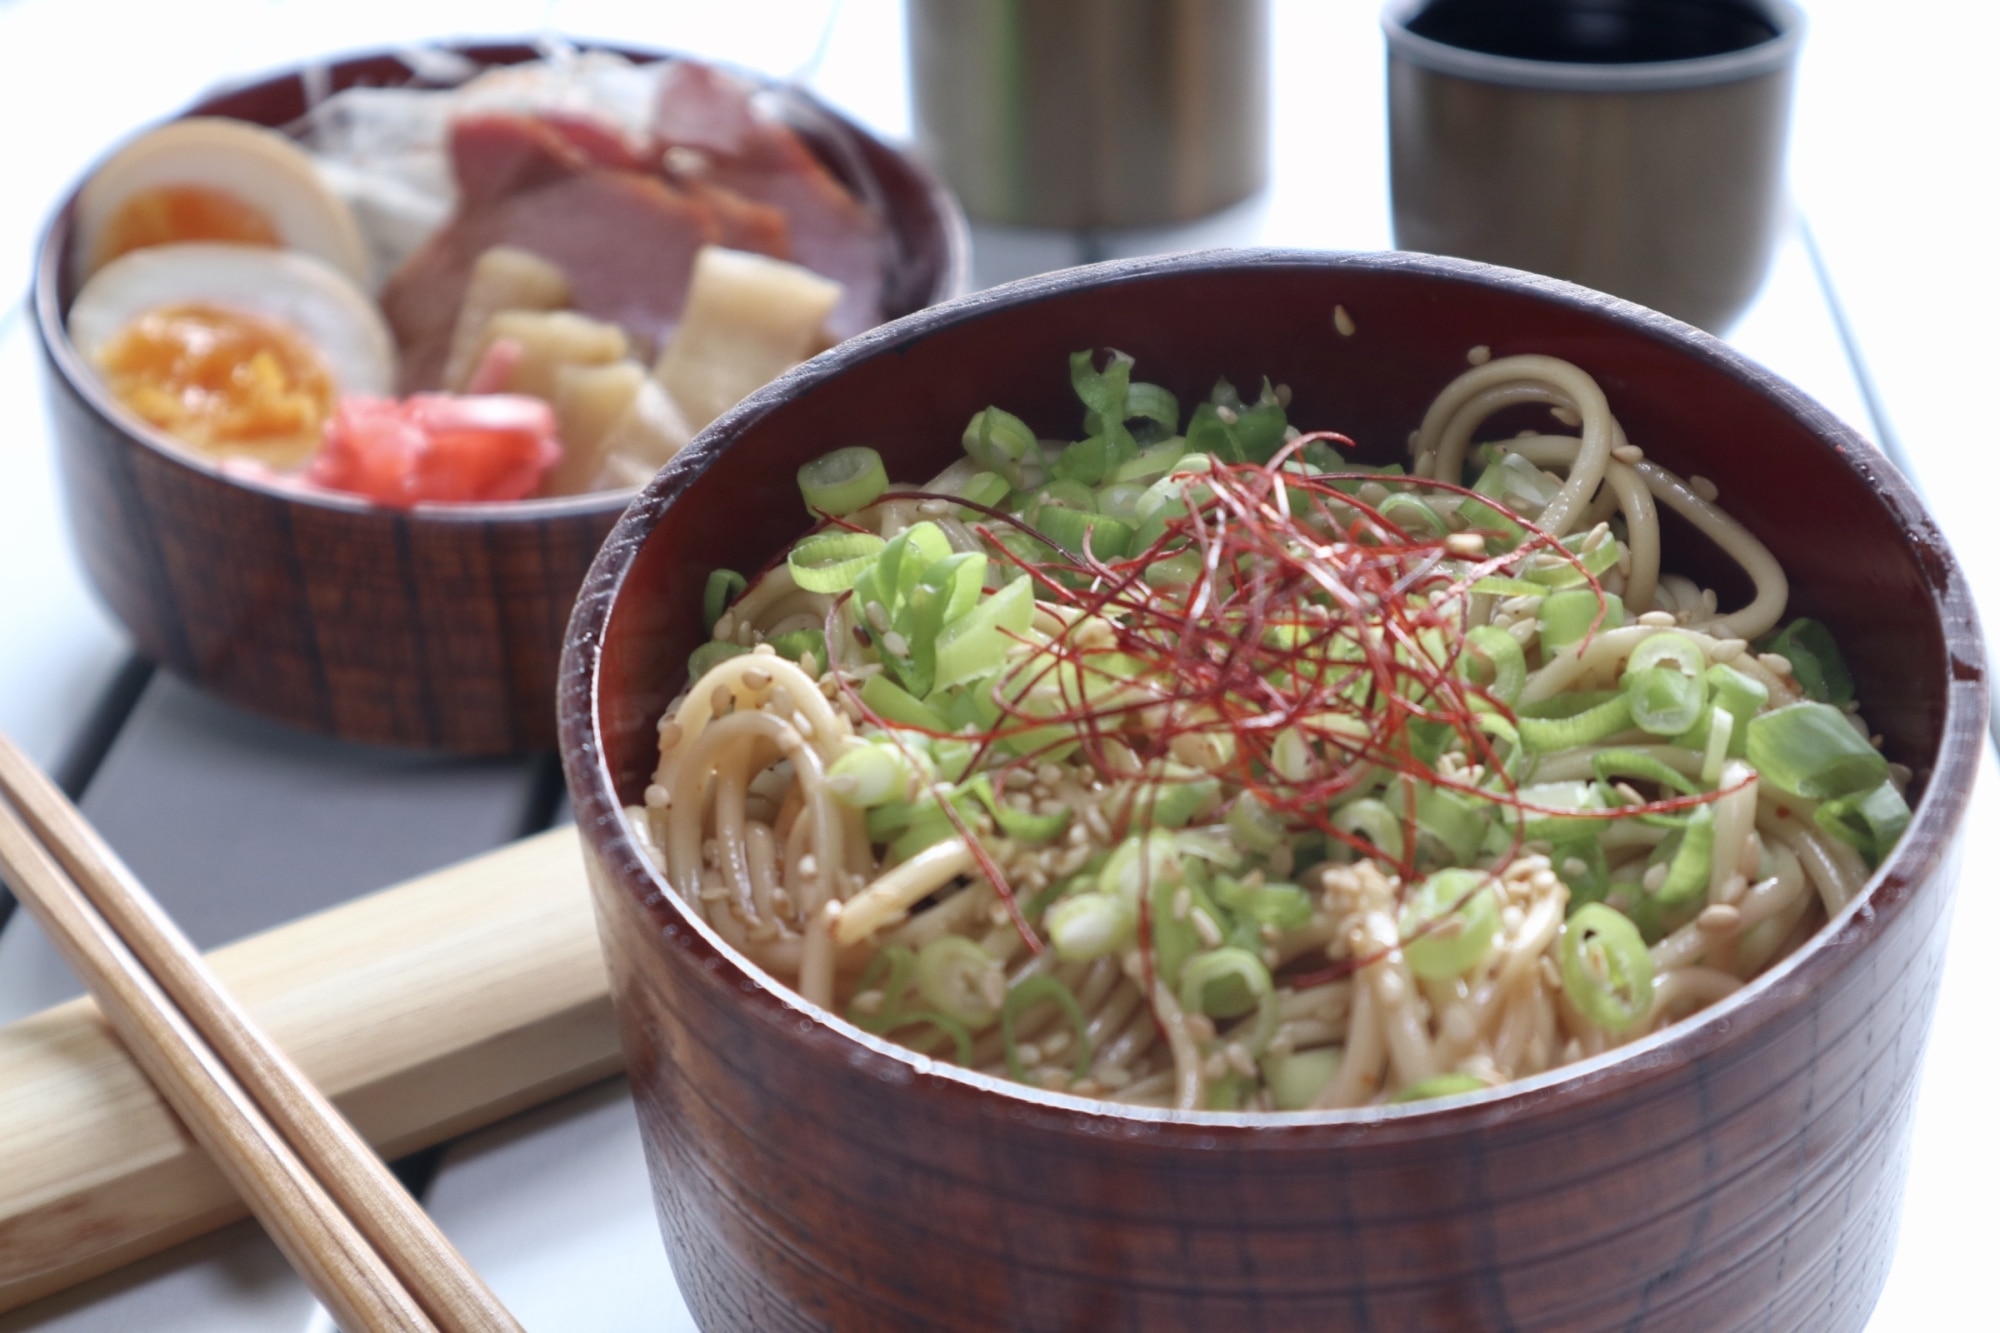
x=1634 y=146
x=1092 y=113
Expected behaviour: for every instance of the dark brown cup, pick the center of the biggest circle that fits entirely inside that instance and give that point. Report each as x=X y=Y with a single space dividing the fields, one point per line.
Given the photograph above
x=1740 y=1170
x=438 y=628
x=1658 y=179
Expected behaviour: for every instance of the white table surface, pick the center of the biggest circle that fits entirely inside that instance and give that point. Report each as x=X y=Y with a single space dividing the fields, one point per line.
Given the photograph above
x=1881 y=304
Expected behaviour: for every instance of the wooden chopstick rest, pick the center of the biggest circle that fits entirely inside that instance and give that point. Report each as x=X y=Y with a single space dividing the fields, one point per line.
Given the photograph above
x=425 y=1010
x=395 y=1225
x=317 y=1237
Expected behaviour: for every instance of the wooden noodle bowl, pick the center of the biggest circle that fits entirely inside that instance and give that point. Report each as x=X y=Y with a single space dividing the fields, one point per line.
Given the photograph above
x=440 y=628
x=1740 y=1170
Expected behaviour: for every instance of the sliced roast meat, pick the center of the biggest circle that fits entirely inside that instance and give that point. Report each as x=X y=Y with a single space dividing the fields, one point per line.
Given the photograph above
x=493 y=156
x=625 y=241
x=710 y=130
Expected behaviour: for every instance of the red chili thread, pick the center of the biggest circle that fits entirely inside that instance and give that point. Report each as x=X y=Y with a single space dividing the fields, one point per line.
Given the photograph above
x=1314 y=615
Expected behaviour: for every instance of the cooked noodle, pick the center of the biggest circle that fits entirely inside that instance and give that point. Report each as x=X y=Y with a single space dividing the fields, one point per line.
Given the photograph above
x=747 y=819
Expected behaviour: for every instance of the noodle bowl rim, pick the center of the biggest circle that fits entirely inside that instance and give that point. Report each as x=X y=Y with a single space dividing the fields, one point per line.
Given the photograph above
x=1926 y=852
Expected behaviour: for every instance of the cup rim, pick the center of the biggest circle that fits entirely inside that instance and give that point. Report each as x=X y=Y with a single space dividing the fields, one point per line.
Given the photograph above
x=1766 y=57
x=1918 y=864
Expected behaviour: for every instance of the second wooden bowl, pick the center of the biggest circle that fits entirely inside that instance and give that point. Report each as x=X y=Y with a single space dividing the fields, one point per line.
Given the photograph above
x=438 y=628
x=1739 y=1170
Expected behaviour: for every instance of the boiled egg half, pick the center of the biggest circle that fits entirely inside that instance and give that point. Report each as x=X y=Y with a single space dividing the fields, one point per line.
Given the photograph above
x=234 y=350
x=209 y=178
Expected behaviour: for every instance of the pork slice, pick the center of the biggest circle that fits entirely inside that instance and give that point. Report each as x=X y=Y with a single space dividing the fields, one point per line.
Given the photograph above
x=625 y=241
x=499 y=154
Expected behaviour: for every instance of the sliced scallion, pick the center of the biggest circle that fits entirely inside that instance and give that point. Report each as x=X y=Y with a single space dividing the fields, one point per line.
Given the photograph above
x=1870 y=821
x=1809 y=749
x=1043 y=989
x=831 y=561
x=1606 y=971
x=843 y=481
x=722 y=588
x=1448 y=923
x=961 y=980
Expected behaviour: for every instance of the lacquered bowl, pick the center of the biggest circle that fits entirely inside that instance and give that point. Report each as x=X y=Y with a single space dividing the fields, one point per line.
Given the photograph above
x=437 y=628
x=1740 y=1170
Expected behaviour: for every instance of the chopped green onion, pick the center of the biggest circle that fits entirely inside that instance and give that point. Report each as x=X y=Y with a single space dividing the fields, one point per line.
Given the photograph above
x=723 y=587
x=1255 y=825
x=1090 y=925
x=869 y=775
x=1043 y=989
x=1413 y=516
x=983 y=488
x=1693 y=852
x=1664 y=701
x=961 y=980
x=843 y=481
x=1503 y=665
x=1607 y=765
x=1018 y=824
x=1175 y=570
x=1606 y=971
x=1279 y=906
x=1069 y=528
x=892 y=703
x=1870 y=821
x=1175 y=802
x=1581 y=865
x=1452 y=819
x=831 y=561
x=1742 y=696
x=702 y=659
x=1597 y=716
x=1369 y=818
x=1808 y=749
x=794 y=644
x=1816 y=662
x=1228 y=983
x=1142 y=860
x=1558 y=796
x=888 y=974
x=1297 y=1079
x=976 y=643
x=1441 y=1085
x=1001 y=442
x=1669 y=648
x=1448 y=923
x=1565 y=617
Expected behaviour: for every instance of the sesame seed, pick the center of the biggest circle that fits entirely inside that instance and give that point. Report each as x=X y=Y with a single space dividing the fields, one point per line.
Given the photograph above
x=1628 y=453
x=1343 y=323
x=1657 y=619
x=1703 y=487
x=1479 y=355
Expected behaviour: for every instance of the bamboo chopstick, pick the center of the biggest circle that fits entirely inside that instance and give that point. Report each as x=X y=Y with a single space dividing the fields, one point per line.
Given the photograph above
x=366 y=1249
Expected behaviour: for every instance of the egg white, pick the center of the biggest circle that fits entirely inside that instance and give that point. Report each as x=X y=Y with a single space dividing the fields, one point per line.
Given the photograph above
x=258 y=166
x=322 y=305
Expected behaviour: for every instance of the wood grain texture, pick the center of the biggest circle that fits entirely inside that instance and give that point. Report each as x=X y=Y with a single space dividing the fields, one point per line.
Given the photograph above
x=438 y=630
x=424 y=1011
x=1740 y=1171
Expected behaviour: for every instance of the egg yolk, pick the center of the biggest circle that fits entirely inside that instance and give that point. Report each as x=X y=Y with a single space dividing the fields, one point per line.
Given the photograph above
x=168 y=214
x=225 y=382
